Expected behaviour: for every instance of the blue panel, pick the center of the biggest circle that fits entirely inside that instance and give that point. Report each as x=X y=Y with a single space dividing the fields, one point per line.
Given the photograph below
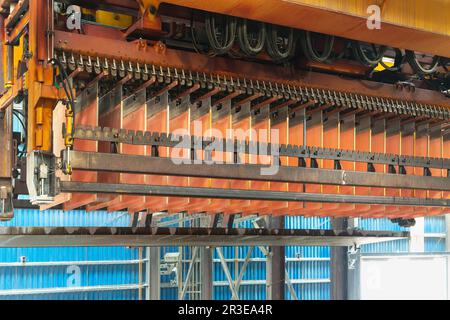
x=434 y=244
x=435 y=224
x=33 y=277
x=385 y=247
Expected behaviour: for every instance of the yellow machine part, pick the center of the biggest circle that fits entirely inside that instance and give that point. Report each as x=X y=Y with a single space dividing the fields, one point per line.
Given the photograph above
x=17 y=56
x=113 y=19
x=107 y=18
x=430 y=15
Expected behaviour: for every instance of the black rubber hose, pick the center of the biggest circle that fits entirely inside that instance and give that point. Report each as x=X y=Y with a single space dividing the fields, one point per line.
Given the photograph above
x=251 y=46
x=221 y=40
x=418 y=67
x=311 y=53
x=194 y=36
x=398 y=62
x=370 y=58
x=280 y=48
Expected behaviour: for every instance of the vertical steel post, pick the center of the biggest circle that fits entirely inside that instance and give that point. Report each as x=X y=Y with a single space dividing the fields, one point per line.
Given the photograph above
x=354 y=274
x=206 y=273
x=275 y=265
x=416 y=236
x=339 y=265
x=6 y=163
x=153 y=273
x=447 y=232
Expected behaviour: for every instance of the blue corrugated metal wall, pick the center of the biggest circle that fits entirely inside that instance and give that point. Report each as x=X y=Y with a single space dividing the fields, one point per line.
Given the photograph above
x=308 y=267
x=59 y=276
x=435 y=230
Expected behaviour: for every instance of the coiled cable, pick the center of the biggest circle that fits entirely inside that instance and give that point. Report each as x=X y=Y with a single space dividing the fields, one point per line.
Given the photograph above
x=368 y=54
x=419 y=67
x=251 y=44
x=221 y=39
x=311 y=52
x=399 y=60
x=280 y=48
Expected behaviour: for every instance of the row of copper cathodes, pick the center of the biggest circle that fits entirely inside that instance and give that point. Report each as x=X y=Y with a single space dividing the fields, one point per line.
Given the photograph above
x=159 y=109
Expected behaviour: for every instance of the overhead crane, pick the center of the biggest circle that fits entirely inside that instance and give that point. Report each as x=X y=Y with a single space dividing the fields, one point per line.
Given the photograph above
x=184 y=106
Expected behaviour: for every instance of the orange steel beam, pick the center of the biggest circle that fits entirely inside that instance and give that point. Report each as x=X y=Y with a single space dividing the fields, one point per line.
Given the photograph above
x=111 y=45
x=42 y=95
x=316 y=17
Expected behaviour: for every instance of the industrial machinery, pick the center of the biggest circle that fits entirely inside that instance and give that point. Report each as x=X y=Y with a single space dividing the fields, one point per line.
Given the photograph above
x=269 y=107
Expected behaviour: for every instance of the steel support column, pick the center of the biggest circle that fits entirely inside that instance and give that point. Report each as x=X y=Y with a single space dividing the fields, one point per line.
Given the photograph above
x=207 y=273
x=6 y=163
x=447 y=232
x=339 y=265
x=275 y=267
x=153 y=273
x=354 y=274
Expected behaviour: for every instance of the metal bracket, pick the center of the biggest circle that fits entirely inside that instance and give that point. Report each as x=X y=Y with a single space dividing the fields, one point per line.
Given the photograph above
x=41 y=177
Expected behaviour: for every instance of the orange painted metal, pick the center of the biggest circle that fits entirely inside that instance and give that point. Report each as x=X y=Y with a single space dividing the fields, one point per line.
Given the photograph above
x=393 y=146
x=407 y=149
x=109 y=116
x=279 y=123
x=260 y=133
x=133 y=118
x=378 y=144
x=314 y=137
x=200 y=118
x=296 y=136
x=435 y=151
x=421 y=150
x=363 y=137
x=346 y=139
x=304 y=16
x=157 y=121
x=111 y=44
x=221 y=124
x=446 y=154
x=86 y=115
x=241 y=124
x=179 y=124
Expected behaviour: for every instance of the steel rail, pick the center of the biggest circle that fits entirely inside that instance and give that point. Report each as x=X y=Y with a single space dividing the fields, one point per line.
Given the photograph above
x=201 y=143
x=109 y=162
x=19 y=237
x=217 y=193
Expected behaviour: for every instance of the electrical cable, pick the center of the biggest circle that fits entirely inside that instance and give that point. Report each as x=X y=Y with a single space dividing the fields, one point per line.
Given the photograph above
x=370 y=58
x=399 y=60
x=194 y=36
x=227 y=34
x=280 y=48
x=251 y=46
x=16 y=113
x=311 y=53
x=418 y=67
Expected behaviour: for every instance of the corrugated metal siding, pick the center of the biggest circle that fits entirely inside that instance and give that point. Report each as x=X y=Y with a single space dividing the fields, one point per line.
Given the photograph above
x=435 y=227
x=386 y=247
x=39 y=277
x=308 y=267
x=435 y=224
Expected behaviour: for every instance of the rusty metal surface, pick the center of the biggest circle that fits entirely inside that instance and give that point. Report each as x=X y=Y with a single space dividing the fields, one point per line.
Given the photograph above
x=114 y=48
x=303 y=16
x=147 y=165
x=259 y=195
x=72 y=237
x=6 y=126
